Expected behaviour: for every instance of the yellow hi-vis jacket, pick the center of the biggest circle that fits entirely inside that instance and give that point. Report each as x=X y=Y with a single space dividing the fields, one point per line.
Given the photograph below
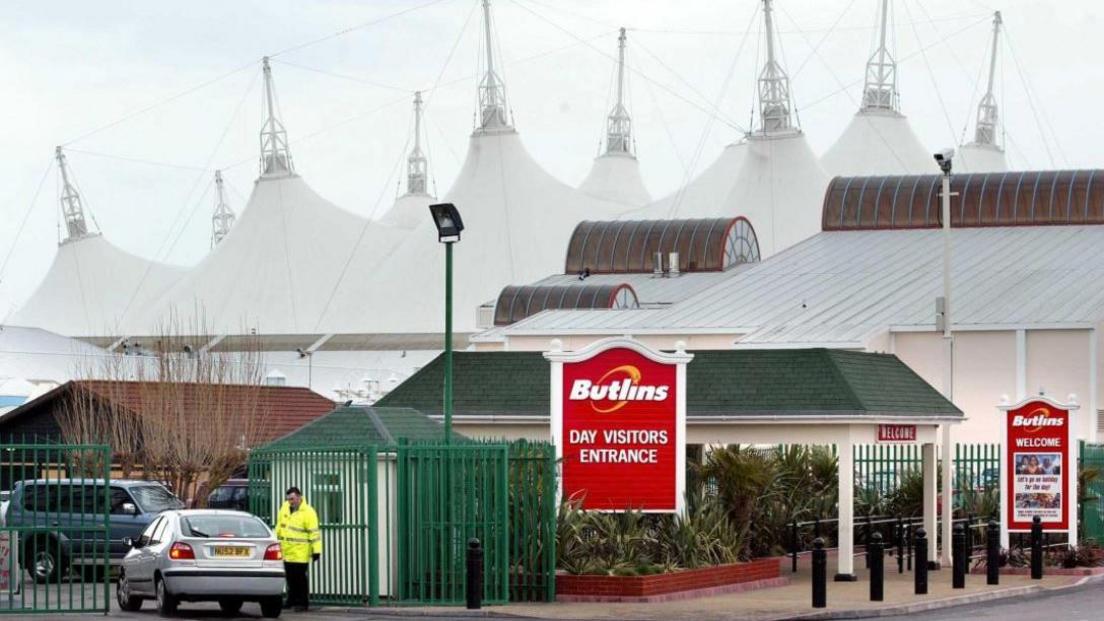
x=298 y=533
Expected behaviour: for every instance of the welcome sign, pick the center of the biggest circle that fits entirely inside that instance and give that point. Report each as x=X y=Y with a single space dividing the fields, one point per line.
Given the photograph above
x=619 y=426
x=1038 y=474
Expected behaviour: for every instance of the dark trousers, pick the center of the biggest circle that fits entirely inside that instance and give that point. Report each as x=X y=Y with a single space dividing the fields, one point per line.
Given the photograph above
x=298 y=585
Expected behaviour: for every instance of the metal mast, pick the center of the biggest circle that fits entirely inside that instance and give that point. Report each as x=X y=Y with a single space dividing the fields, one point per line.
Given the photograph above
x=619 y=124
x=492 y=91
x=223 y=218
x=275 y=156
x=71 y=207
x=416 y=165
x=987 y=116
x=774 y=85
x=880 y=88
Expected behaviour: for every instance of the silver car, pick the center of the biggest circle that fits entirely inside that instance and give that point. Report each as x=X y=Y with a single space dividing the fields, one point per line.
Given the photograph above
x=203 y=555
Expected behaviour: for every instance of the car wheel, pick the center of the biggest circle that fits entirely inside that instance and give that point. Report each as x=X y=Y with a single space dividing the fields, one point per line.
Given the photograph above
x=271 y=607
x=166 y=602
x=127 y=601
x=43 y=561
x=230 y=606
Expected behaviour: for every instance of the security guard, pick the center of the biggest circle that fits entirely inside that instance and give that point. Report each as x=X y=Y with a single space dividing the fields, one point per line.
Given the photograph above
x=301 y=542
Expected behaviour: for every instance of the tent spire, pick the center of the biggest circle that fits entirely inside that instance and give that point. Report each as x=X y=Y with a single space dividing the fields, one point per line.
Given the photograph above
x=416 y=163
x=987 y=116
x=492 y=90
x=880 y=90
x=71 y=207
x=619 y=124
x=275 y=156
x=223 y=218
x=774 y=86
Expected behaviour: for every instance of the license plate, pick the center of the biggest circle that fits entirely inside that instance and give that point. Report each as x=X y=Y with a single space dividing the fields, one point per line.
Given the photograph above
x=231 y=551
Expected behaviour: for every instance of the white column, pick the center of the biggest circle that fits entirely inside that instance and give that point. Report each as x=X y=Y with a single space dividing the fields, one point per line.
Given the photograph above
x=1093 y=375
x=946 y=556
x=1021 y=365
x=846 y=561
x=930 y=475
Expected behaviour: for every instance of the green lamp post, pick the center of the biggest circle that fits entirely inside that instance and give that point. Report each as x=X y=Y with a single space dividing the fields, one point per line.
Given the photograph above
x=447 y=219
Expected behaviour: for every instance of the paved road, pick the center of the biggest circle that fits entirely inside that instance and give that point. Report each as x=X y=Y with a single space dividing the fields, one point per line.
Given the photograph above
x=1083 y=604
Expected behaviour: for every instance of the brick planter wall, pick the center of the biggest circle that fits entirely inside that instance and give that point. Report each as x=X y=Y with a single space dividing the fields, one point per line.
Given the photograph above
x=695 y=582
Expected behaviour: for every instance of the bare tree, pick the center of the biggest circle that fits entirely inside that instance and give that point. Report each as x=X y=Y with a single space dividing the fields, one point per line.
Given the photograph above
x=178 y=412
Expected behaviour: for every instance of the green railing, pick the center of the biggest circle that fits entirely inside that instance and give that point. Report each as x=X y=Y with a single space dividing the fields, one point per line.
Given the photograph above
x=1092 y=497
x=55 y=543
x=396 y=520
x=880 y=468
x=340 y=487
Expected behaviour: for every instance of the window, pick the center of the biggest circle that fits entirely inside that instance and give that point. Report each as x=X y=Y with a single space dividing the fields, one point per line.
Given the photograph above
x=161 y=534
x=147 y=535
x=327 y=498
x=155 y=499
x=229 y=526
x=119 y=497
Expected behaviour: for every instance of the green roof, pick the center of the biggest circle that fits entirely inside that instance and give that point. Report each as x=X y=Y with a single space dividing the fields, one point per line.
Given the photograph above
x=356 y=426
x=719 y=382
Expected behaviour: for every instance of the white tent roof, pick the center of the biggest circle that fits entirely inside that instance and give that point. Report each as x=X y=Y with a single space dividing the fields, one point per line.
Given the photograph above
x=517 y=220
x=703 y=196
x=89 y=287
x=38 y=356
x=979 y=158
x=276 y=270
x=408 y=211
x=616 y=177
x=877 y=142
x=780 y=188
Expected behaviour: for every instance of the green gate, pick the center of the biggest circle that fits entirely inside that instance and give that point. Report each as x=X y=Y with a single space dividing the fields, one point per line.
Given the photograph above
x=56 y=541
x=449 y=494
x=341 y=485
x=396 y=520
x=1092 y=497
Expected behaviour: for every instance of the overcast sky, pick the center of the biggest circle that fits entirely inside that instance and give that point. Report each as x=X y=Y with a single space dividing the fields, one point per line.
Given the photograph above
x=149 y=99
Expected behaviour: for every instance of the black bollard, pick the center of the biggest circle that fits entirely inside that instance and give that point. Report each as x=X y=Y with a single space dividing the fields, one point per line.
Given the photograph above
x=475 y=575
x=1036 y=548
x=877 y=567
x=820 y=574
x=920 y=576
x=959 y=557
x=793 y=545
x=992 y=553
x=900 y=537
x=908 y=542
x=866 y=539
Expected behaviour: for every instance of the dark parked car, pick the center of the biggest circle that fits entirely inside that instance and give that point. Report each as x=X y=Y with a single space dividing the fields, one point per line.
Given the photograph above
x=233 y=494
x=66 y=516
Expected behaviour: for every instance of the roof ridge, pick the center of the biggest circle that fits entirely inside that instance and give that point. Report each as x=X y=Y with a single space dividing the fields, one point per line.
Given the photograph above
x=833 y=364
x=381 y=429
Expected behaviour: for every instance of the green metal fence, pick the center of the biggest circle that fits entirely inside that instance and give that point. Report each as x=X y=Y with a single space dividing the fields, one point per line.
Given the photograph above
x=396 y=520
x=448 y=494
x=56 y=538
x=880 y=468
x=1092 y=496
x=340 y=484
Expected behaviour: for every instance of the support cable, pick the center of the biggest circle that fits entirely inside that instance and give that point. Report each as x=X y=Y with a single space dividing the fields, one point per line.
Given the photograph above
x=19 y=230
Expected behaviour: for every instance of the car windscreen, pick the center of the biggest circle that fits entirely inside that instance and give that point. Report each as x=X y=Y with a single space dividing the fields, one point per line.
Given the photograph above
x=155 y=499
x=224 y=526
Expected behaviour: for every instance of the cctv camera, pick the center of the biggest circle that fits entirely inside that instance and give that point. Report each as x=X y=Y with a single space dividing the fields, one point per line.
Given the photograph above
x=943 y=158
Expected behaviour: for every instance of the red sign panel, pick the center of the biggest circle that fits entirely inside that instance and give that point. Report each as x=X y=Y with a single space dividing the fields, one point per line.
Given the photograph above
x=896 y=433
x=619 y=432
x=1037 y=453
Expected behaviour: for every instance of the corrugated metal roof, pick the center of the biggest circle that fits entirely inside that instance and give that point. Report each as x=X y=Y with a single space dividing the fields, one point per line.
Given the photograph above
x=842 y=287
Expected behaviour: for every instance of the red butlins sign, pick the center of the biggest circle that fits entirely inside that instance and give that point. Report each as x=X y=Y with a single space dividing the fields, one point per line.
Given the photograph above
x=618 y=423
x=1037 y=466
